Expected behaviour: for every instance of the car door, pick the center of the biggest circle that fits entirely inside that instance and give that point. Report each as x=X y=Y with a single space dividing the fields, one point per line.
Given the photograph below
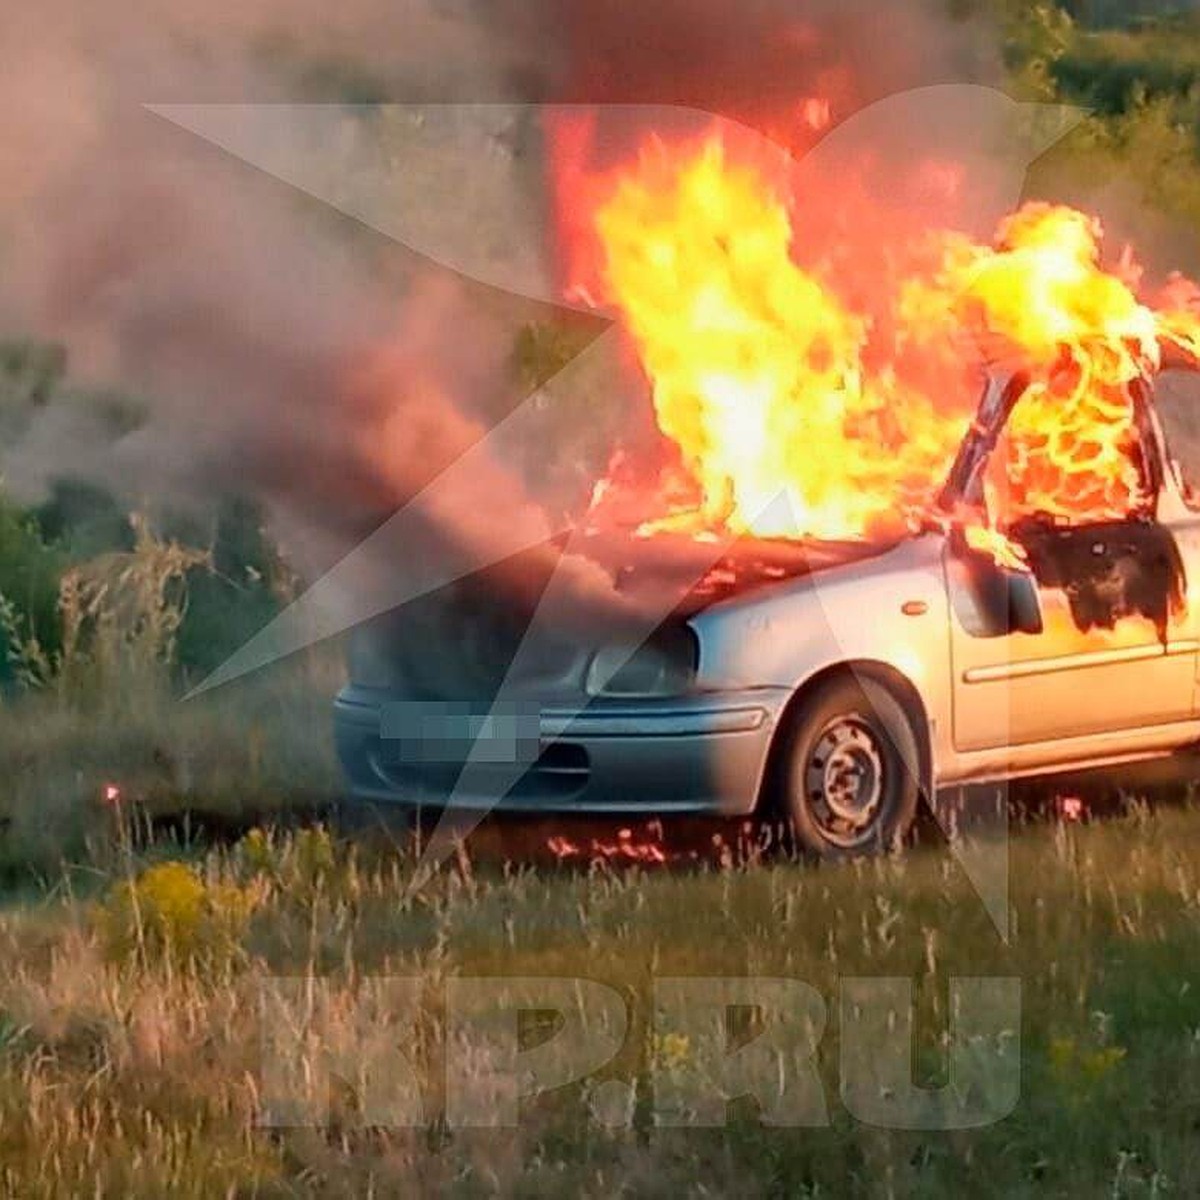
x=1116 y=648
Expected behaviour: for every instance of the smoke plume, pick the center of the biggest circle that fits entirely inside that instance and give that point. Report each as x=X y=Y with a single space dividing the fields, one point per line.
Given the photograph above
x=276 y=349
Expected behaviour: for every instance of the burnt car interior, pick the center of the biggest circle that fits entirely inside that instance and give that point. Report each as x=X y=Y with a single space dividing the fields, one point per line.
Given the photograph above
x=1123 y=565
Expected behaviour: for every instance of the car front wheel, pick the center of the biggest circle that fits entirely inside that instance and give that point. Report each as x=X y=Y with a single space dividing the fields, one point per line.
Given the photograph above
x=850 y=769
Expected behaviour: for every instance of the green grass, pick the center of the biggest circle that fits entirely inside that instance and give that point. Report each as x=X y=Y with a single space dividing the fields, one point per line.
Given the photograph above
x=130 y=1062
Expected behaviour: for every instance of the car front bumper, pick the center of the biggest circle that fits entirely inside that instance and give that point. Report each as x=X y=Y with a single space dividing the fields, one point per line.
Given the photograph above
x=704 y=753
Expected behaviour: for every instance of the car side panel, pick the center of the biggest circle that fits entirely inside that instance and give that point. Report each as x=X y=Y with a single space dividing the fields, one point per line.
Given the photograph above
x=862 y=614
x=891 y=610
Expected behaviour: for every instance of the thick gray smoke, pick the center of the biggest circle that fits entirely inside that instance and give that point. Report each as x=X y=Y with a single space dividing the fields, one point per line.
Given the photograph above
x=278 y=350
x=751 y=62
x=268 y=349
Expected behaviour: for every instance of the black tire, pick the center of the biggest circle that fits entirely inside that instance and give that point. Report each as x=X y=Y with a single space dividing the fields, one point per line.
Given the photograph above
x=849 y=776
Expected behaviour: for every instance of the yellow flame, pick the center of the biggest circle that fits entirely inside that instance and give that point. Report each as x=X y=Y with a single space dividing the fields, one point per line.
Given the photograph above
x=765 y=381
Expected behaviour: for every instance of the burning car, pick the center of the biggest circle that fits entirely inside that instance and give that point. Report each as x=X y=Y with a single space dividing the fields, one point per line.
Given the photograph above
x=835 y=682
x=880 y=583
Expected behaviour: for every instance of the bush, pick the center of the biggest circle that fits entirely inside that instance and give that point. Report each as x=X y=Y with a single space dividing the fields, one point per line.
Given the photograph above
x=30 y=580
x=84 y=519
x=231 y=597
x=169 y=914
x=120 y=617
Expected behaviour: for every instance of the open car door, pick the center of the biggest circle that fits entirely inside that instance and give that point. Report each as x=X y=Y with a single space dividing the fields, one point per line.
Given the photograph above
x=1106 y=637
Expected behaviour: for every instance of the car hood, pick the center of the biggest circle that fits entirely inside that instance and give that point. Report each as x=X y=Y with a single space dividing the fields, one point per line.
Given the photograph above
x=699 y=573
x=460 y=642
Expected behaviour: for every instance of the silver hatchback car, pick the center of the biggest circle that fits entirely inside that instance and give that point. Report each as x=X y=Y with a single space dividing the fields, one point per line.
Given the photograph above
x=833 y=683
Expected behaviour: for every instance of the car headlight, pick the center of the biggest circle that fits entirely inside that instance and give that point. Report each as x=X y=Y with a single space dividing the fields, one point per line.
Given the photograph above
x=665 y=665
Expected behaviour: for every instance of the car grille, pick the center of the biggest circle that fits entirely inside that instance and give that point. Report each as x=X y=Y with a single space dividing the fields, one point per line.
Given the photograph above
x=560 y=771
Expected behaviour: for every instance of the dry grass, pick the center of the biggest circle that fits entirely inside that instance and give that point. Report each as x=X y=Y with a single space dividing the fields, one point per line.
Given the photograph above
x=131 y=1047
x=105 y=711
x=247 y=752
x=130 y=1064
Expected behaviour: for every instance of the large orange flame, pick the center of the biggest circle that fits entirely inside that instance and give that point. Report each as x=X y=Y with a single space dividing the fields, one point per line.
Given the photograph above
x=790 y=413
x=1042 y=296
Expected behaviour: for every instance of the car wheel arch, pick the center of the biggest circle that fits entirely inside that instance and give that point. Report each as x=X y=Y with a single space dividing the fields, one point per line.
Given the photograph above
x=901 y=688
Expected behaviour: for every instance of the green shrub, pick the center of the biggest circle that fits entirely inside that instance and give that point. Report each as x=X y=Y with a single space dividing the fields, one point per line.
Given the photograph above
x=30 y=373
x=231 y=596
x=30 y=580
x=84 y=519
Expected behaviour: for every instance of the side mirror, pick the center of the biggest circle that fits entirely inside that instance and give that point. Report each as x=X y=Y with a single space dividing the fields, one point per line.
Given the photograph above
x=989 y=599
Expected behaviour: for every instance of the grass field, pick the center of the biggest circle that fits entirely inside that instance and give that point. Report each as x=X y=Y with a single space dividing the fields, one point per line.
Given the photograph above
x=163 y=885
x=131 y=1049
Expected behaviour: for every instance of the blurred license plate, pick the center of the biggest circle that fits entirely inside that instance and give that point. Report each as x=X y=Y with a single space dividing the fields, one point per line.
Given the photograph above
x=418 y=731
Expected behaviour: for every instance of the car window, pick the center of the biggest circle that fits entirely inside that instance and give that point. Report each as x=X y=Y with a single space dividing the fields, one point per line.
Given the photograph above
x=1177 y=400
x=1058 y=463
